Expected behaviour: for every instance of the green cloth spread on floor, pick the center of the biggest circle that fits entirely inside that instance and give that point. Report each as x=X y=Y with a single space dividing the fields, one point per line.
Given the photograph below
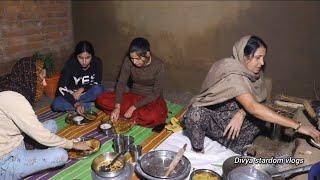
x=82 y=169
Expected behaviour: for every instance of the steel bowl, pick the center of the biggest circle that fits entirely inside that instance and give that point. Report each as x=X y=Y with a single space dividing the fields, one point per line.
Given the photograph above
x=107 y=128
x=156 y=163
x=212 y=175
x=104 y=159
x=78 y=120
x=75 y=119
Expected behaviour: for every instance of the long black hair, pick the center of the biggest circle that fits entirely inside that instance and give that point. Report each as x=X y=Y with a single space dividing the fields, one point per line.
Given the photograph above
x=83 y=46
x=139 y=45
x=253 y=44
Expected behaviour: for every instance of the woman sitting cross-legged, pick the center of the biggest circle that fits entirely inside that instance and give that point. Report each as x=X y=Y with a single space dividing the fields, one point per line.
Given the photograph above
x=80 y=83
x=228 y=108
x=144 y=103
x=18 y=91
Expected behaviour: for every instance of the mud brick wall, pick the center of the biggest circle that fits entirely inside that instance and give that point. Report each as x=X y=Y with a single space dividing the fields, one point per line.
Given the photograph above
x=27 y=26
x=191 y=35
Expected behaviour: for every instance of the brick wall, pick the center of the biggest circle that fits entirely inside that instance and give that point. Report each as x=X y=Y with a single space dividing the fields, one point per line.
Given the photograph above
x=27 y=26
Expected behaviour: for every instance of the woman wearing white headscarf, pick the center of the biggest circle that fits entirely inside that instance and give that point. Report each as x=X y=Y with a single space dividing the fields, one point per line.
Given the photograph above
x=228 y=108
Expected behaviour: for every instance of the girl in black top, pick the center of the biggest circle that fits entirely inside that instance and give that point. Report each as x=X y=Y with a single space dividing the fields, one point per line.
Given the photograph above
x=80 y=82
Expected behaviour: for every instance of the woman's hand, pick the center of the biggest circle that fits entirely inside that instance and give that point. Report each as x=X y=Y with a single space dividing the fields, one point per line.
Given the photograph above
x=115 y=114
x=76 y=95
x=310 y=131
x=235 y=125
x=79 y=108
x=129 y=112
x=83 y=145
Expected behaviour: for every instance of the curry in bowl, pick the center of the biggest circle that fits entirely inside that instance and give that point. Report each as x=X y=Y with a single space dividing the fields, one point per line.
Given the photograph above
x=104 y=160
x=204 y=174
x=117 y=166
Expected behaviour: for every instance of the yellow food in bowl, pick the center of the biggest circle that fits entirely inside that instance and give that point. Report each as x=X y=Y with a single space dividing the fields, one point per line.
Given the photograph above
x=117 y=166
x=205 y=176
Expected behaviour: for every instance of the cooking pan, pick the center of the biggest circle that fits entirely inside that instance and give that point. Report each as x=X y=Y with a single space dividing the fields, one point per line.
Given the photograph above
x=251 y=172
x=229 y=164
x=249 y=151
x=313 y=143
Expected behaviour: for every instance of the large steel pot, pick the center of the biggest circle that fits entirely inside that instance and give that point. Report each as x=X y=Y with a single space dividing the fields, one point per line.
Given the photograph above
x=154 y=164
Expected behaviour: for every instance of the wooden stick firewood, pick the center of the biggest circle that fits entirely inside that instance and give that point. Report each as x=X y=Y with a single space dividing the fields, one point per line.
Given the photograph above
x=175 y=160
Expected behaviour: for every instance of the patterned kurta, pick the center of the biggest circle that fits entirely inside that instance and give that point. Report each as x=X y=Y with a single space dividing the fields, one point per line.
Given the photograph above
x=211 y=121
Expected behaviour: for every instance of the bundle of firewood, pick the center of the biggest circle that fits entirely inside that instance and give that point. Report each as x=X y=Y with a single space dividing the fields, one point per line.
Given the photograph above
x=312 y=107
x=282 y=110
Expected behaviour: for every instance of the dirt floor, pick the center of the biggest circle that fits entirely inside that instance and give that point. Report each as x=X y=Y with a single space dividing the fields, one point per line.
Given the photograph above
x=304 y=150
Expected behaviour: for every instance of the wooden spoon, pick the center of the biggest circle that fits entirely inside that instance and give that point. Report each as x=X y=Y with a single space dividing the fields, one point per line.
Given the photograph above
x=176 y=160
